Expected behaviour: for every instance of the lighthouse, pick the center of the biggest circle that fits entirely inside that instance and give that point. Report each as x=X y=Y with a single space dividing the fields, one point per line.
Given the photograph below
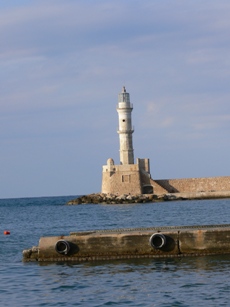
x=126 y=177
x=124 y=109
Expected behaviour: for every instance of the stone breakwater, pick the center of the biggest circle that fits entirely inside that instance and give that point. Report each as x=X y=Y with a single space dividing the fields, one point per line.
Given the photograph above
x=102 y=198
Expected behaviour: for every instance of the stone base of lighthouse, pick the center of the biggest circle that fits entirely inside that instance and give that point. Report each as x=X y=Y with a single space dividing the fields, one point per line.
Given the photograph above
x=127 y=179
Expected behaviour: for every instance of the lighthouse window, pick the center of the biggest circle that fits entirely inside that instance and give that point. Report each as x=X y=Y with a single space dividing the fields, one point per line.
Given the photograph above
x=125 y=178
x=123 y=120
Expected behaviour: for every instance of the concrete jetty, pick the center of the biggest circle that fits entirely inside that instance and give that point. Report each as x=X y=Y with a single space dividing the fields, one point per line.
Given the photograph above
x=152 y=242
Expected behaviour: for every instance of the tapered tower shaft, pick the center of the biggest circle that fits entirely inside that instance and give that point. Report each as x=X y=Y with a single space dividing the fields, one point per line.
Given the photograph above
x=126 y=130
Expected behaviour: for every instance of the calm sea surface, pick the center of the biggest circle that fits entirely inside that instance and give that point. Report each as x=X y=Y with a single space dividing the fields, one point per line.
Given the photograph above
x=202 y=281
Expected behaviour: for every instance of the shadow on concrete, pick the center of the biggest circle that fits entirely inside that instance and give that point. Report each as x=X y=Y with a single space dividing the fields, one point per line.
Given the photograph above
x=167 y=186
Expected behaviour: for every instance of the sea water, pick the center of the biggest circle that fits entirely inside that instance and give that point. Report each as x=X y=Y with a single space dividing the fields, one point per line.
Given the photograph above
x=192 y=281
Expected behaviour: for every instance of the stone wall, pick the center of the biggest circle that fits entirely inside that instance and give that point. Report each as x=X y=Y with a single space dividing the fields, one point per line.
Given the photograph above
x=136 y=179
x=192 y=185
x=157 y=188
x=123 y=179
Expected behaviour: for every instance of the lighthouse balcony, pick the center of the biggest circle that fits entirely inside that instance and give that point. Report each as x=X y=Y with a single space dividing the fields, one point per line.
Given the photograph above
x=127 y=131
x=124 y=105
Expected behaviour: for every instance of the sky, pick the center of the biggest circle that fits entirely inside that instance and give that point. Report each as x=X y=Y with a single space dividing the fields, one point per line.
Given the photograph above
x=62 y=65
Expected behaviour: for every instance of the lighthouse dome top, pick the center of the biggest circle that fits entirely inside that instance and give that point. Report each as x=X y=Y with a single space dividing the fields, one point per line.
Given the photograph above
x=124 y=96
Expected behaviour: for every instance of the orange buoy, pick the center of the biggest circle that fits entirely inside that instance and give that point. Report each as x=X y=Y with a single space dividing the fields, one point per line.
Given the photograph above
x=6 y=232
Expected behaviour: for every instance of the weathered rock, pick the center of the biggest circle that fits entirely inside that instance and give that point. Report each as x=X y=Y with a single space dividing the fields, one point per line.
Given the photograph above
x=130 y=197
x=170 y=197
x=31 y=254
x=111 y=199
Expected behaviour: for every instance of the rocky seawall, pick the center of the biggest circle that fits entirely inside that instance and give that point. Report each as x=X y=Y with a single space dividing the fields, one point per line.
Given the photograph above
x=101 y=198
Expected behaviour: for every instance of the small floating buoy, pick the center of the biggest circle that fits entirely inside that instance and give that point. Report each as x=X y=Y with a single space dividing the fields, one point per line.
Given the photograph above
x=6 y=232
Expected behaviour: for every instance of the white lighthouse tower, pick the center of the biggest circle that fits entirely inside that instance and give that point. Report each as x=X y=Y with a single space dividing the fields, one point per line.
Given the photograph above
x=126 y=130
x=126 y=177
